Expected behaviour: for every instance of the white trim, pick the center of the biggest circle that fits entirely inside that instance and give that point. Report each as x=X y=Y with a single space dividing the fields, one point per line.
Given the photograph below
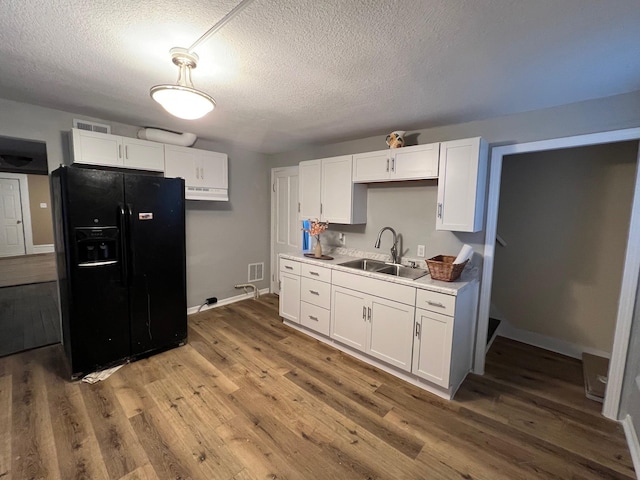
x=226 y=301
x=548 y=343
x=26 y=209
x=632 y=441
x=49 y=248
x=631 y=266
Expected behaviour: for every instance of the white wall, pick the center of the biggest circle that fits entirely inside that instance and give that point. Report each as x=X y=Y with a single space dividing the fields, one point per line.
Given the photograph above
x=222 y=237
x=565 y=217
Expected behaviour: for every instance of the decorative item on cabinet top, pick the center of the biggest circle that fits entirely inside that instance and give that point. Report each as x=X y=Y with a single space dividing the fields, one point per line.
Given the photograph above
x=396 y=139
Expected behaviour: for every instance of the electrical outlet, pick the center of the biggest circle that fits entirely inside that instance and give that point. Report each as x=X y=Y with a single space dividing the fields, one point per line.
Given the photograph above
x=421 y=251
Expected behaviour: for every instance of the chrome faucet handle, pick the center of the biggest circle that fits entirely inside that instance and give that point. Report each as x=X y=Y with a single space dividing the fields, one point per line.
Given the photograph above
x=412 y=263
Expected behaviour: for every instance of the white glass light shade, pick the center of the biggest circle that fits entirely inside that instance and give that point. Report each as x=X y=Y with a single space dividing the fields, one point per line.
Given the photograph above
x=183 y=102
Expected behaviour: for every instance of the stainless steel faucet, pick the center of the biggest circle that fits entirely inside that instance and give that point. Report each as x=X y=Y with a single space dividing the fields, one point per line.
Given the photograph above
x=394 y=247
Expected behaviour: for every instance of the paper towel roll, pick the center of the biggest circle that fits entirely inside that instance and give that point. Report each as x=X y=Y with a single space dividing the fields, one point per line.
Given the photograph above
x=465 y=254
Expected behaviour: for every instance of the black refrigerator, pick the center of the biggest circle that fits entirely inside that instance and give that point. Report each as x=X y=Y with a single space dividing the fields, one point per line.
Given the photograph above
x=120 y=243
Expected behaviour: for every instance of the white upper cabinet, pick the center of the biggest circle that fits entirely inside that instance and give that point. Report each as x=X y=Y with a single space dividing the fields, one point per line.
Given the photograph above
x=93 y=148
x=417 y=162
x=205 y=173
x=461 y=185
x=327 y=192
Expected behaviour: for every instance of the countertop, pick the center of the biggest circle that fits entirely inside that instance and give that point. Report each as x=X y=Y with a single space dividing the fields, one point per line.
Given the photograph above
x=467 y=278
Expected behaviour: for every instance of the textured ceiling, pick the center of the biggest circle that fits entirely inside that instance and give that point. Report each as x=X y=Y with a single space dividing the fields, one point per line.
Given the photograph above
x=287 y=73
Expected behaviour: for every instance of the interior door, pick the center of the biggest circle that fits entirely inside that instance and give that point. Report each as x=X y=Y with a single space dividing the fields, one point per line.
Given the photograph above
x=286 y=233
x=11 y=226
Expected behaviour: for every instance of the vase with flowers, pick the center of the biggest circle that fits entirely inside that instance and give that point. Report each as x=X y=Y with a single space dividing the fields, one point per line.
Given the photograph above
x=316 y=227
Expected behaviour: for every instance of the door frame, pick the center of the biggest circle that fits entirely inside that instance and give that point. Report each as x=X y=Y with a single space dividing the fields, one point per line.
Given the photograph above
x=26 y=210
x=631 y=267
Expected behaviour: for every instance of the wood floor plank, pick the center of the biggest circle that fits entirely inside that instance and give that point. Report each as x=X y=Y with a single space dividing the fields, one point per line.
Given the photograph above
x=250 y=398
x=5 y=425
x=32 y=441
x=121 y=452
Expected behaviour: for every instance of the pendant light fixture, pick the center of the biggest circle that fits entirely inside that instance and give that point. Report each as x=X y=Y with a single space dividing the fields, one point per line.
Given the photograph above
x=182 y=100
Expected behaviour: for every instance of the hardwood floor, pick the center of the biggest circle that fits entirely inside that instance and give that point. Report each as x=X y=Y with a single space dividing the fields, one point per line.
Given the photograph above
x=249 y=398
x=25 y=269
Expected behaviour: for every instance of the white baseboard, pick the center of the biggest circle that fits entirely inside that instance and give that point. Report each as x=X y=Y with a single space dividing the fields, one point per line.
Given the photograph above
x=632 y=442
x=548 y=343
x=42 y=249
x=226 y=301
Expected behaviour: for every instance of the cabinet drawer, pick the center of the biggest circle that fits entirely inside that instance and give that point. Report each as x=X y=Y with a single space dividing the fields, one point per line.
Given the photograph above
x=289 y=266
x=315 y=318
x=315 y=292
x=436 y=302
x=317 y=273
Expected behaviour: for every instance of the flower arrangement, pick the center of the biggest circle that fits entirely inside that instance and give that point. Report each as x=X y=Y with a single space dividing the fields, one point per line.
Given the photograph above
x=316 y=227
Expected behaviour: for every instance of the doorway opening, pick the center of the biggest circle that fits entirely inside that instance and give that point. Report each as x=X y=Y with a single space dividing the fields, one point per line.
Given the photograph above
x=625 y=305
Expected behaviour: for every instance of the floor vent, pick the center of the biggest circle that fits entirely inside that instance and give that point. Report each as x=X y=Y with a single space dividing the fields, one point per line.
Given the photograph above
x=91 y=126
x=256 y=272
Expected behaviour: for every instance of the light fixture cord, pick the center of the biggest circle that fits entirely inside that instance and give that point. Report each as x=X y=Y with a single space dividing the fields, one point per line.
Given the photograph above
x=223 y=21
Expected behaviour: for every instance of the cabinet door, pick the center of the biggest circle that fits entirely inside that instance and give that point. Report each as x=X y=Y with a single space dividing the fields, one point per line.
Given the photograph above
x=181 y=163
x=391 y=332
x=211 y=169
x=290 y=297
x=416 y=162
x=432 y=347
x=97 y=148
x=143 y=155
x=337 y=190
x=349 y=317
x=310 y=176
x=372 y=166
x=461 y=185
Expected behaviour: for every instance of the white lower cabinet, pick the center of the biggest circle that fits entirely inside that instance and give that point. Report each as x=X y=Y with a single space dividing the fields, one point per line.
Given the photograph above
x=377 y=326
x=290 y=296
x=425 y=335
x=432 y=347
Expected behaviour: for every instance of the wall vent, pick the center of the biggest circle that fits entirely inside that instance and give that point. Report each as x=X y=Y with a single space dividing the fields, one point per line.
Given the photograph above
x=256 y=272
x=91 y=126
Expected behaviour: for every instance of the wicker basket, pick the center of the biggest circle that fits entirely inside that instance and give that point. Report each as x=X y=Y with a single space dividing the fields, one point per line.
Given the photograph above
x=441 y=267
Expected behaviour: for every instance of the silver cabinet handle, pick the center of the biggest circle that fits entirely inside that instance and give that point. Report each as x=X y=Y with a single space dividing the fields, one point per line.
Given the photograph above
x=393 y=164
x=387 y=164
x=313 y=318
x=126 y=152
x=119 y=151
x=364 y=312
x=439 y=210
x=369 y=313
x=435 y=304
x=202 y=173
x=288 y=267
x=198 y=173
x=315 y=273
x=313 y=292
x=418 y=330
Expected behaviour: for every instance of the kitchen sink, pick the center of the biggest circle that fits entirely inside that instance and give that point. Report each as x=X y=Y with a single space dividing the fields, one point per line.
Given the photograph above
x=404 y=272
x=377 y=266
x=365 y=264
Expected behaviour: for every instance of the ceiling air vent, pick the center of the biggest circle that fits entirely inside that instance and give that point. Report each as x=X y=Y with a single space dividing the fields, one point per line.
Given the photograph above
x=91 y=126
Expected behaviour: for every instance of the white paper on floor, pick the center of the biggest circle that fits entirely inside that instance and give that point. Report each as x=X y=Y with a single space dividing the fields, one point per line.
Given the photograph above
x=102 y=375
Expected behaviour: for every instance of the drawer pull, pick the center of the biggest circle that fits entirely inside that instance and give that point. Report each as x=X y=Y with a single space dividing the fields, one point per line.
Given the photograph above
x=364 y=313
x=418 y=330
x=313 y=318
x=435 y=304
x=313 y=292
x=369 y=313
x=314 y=273
x=288 y=267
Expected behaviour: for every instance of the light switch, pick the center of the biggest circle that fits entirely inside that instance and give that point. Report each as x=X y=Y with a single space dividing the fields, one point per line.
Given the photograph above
x=43 y=205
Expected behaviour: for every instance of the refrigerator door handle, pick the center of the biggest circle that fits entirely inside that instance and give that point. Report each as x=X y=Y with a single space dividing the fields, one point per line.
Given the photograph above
x=124 y=263
x=130 y=251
